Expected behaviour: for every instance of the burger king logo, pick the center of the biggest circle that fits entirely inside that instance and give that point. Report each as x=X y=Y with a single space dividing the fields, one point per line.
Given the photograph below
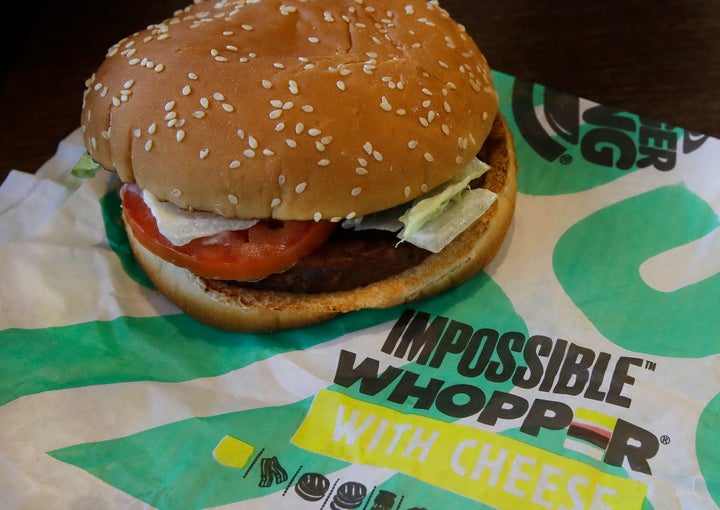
x=552 y=123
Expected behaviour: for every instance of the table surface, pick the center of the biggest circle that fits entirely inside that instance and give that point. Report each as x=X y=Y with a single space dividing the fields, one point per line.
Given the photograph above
x=660 y=60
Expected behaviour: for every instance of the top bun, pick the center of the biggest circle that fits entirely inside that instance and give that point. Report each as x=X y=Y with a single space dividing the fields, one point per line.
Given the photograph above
x=291 y=109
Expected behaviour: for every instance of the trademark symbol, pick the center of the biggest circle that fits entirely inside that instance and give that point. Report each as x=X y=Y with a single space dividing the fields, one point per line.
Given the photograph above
x=566 y=159
x=665 y=439
x=650 y=365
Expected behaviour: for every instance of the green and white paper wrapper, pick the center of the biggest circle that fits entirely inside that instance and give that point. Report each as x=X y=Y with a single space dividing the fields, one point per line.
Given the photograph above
x=579 y=370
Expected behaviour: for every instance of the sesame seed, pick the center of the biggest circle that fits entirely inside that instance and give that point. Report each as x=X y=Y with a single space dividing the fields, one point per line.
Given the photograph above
x=385 y=105
x=275 y=202
x=232 y=199
x=252 y=142
x=152 y=128
x=313 y=40
x=320 y=146
x=291 y=143
x=361 y=171
x=350 y=215
x=247 y=27
x=279 y=126
x=368 y=148
x=276 y=103
x=429 y=157
x=314 y=132
x=192 y=76
x=137 y=133
x=446 y=129
x=198 y=114
x=235 y=164
x=281 y=180
x=268 y=152
x=228 y=107
x=204 y=102
x=377 y=156
x=275 y=114
x=249 y=153
x=288 y=105
x=356 y=191
x=401 y=112
x=176 y=193
x=412 y=144
x=293 y=87
x=307 y=108
x=317 y=216
x=363 y=162
x=115 y=101
x=241 y=134
x=186 y=90
x=324 y=162
x=300 y=187
x=217 y=96
x=340 y=84
x=180 y=135
x=148 y=145
x=267 y=84
x=426 y=92
x=204 y=153
x=159 y=68
x=299 y=128
x=278 y=65
x=171 y=115
x=326 y=140
x=128 y=84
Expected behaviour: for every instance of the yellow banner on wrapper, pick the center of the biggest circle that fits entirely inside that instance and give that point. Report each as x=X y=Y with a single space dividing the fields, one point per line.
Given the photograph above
x=487 y=467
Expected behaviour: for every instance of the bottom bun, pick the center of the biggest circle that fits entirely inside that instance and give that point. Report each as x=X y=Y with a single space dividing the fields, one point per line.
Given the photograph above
x=231 y=307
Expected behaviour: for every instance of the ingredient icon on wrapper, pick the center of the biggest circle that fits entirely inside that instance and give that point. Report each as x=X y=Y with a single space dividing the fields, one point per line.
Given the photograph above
x=312 y=486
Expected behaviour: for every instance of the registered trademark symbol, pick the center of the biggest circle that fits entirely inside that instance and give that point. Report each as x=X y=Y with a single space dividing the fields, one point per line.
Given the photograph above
x=566 y=159
x=664 y=439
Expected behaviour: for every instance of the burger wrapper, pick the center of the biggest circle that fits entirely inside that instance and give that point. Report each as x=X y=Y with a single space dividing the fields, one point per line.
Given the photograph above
x=580 y=369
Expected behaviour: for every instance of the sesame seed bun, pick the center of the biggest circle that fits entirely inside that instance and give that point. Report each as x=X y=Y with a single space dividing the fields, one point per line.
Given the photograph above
x=323 y=109
x=227 y=306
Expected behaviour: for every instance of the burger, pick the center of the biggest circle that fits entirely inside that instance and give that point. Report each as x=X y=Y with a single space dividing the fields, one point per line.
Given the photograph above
x=286 y=161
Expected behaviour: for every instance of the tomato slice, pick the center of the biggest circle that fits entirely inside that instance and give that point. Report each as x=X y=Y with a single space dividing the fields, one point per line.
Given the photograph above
x=270 y=246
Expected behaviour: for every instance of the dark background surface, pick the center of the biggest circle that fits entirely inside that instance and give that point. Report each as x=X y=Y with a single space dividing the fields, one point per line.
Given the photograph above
x=657 y=59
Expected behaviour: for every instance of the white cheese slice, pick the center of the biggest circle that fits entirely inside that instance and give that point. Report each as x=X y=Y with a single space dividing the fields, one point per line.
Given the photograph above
x=180 y=226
